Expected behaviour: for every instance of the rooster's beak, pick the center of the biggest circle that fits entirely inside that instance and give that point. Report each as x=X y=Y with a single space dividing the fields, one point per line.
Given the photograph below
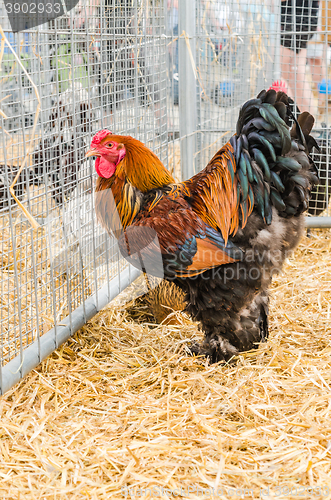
x=92 y=152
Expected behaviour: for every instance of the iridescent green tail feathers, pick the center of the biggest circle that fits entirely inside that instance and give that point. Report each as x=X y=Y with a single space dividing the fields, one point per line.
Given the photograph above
x=273 y=162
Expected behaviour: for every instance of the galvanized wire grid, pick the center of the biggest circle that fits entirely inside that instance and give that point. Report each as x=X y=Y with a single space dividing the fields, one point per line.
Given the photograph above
x=101 y=66
x=236 y=49
x=235 y=56
x=171 y=73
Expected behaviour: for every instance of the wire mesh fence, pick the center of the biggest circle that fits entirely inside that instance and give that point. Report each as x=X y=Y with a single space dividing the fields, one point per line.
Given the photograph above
x=101 y=66
x=235 y=55
x=239 y=48
x=170 y=73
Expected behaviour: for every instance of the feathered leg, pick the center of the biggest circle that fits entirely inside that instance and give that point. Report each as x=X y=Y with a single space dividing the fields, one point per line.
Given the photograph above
x=248 y=329
x=231 y=301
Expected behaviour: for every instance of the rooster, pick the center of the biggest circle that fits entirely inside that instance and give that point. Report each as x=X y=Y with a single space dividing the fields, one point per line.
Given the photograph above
x=223 y=233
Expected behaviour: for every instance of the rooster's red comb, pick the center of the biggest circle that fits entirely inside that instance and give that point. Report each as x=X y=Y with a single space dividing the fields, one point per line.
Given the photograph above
x=99 y=136
x=279 y=86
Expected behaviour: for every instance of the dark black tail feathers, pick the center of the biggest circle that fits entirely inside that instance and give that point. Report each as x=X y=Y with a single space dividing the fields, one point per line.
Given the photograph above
x=306 y=122
x=273 y=161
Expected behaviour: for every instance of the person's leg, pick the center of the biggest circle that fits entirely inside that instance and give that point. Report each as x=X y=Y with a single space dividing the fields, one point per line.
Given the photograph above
x=318 y=71
x=293 y=68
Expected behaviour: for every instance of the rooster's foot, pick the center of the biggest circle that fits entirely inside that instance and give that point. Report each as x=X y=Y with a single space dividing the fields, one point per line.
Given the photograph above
x=216 y=349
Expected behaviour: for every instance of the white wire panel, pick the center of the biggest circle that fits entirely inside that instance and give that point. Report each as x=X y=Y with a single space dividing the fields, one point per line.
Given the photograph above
x=235 y=57
x=101 y=66
x=241 y=47
x=305 y=75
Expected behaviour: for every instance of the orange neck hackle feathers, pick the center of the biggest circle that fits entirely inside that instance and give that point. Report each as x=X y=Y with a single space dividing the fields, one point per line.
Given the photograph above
x=142 y=168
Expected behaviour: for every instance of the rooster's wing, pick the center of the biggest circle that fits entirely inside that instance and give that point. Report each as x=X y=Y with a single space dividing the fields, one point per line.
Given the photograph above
x=188 y=246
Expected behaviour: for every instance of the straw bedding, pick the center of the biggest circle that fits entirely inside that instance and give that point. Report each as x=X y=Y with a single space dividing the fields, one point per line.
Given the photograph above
x=122 y=405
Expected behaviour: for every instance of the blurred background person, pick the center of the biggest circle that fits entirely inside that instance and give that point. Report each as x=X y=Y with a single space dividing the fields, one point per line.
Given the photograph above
x=299 y=20
x=318 y=64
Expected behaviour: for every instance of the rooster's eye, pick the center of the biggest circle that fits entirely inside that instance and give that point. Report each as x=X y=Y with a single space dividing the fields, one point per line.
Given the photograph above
x=110 y=145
